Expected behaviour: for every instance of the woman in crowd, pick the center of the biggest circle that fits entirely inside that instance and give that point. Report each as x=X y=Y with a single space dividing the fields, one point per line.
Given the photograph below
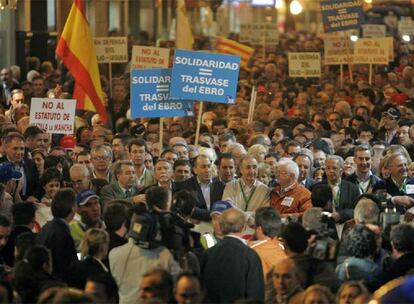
x=93 y=249
x=32 y=275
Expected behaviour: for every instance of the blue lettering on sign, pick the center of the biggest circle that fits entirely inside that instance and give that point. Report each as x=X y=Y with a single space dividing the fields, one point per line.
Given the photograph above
x=150 y=95
x=205 y=76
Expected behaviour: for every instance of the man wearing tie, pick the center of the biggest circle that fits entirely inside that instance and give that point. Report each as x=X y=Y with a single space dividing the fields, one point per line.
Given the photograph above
x=124 y=186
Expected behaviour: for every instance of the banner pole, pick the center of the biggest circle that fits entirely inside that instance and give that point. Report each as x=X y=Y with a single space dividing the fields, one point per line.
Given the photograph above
x=161 y=134
x=200 y=113
x=342 y=76
x=252 y=96
x=370 y=74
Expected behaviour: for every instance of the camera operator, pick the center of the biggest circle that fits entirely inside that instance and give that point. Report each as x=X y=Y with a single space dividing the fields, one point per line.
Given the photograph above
x=174 y=225
x=295 y=241
x=129 y=262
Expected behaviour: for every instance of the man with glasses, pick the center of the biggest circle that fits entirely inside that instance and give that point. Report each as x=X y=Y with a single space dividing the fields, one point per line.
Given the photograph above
x=289 y=197
x=80 y=177
x=344 y=193
x=247 y=193
x=101 y=160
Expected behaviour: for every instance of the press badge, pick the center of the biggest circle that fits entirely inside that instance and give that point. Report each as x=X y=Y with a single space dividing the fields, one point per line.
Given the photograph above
x=409 y=189
x=287 y=201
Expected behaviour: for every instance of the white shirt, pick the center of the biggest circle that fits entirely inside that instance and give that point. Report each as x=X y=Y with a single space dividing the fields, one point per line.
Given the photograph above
x=205 y=189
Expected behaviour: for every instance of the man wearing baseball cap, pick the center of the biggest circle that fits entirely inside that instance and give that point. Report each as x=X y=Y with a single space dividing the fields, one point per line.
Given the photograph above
x=208 y=240
x=389 y=124
x=89 y=209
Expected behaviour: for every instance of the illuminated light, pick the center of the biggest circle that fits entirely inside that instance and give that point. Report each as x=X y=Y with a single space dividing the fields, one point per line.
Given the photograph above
x=368 y=1
x=353 y=38
x=406 y=38
x=279 y=4
x=295 y=7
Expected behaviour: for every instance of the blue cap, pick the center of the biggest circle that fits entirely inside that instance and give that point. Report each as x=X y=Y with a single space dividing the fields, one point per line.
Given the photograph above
x=7 y=172
x=84 y=196
x=221 y=206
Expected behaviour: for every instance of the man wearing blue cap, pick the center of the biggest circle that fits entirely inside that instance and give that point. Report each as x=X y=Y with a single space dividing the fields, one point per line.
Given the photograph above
x=210 y=239
x=89 y=210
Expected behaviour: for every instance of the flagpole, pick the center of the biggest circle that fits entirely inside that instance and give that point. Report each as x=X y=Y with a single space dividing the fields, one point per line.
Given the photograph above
x=200 y=112
x=110 y=75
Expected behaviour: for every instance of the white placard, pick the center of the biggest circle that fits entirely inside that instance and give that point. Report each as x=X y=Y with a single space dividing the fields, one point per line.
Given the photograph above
x=111 y=49
x=259 y=33
x=305 y=64
x=55 y=116
x=338 y=51
x=144 y=57
x=406 y=27
x=373 y=30
x=371 y=51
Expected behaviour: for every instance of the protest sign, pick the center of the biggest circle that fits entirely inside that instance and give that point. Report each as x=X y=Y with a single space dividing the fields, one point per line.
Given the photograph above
x=150 y=95
x=340 y=15
x=305 y=64
x=406 y=27
x=259 y=33
x=149 y=57
x=55 y=116
x=373 y=30
x=371 y=51
x=338 y=51
x=205 y=76
x=111 y=49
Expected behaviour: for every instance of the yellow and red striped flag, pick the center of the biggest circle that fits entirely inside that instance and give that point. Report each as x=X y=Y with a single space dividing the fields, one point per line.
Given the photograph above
x=227 y=46
x=77 y=51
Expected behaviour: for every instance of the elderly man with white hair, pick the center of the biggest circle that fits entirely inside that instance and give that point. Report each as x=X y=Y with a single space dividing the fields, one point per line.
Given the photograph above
x=247 y=193
x=289 y=197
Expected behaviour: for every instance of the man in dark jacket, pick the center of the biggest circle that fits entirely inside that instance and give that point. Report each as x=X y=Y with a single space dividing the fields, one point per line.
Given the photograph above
x=344 y=193
x=14 y=153
x=231 y=270
x=56 y=236
x=402 y=242
x=23 y=220
x=207 y=191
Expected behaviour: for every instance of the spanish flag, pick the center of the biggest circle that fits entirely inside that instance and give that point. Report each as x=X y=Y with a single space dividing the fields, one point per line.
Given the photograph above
x=77 y=51
x=227 y=46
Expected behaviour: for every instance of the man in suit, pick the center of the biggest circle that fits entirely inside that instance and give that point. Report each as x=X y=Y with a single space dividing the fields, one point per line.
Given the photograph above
x=23 y=222
x=344 y=193
x=163 y=175
x=125 y=184
x=305 y=163
x=8 y=85
x=399 y=186
x=56 y=236
x=231 y=270
x=14 y=153
x=363 y=177
x=207 y=191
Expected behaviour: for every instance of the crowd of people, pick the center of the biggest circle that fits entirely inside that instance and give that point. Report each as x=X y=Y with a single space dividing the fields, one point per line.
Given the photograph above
x=311 y=202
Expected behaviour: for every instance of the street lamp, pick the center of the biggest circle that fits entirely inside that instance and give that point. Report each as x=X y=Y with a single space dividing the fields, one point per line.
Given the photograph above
x=295 y=7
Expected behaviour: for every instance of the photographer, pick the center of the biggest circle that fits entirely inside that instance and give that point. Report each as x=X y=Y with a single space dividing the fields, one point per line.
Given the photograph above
x=295 y=241
x=129 y=262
